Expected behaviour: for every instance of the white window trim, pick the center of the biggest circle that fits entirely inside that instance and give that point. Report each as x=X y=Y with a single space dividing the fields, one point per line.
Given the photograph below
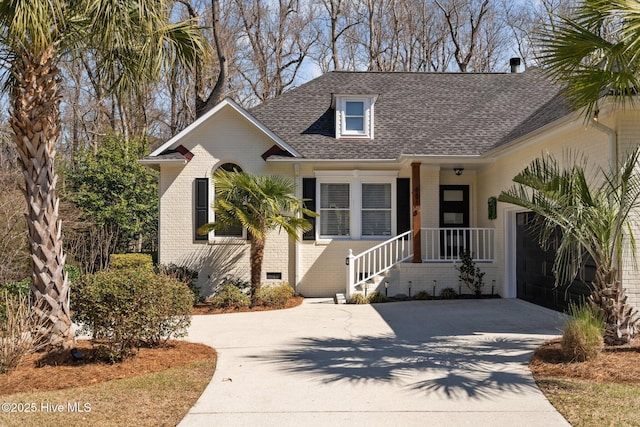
x=341 y=106
x=355 y=179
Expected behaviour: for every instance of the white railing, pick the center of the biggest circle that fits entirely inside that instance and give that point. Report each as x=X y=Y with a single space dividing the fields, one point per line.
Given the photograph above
x=377 y=260
x=447 y=244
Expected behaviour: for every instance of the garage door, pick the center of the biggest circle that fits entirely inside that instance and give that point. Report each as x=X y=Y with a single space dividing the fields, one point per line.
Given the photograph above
x=534 y=270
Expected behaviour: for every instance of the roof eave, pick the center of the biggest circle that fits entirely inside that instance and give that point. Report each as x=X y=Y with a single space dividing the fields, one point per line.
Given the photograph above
x=227 y=102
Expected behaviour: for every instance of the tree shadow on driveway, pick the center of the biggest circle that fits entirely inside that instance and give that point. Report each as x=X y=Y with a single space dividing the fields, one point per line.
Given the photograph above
x=476 y=359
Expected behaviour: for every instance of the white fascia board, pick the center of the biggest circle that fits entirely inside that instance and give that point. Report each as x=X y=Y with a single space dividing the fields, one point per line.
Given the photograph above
x=227 y=102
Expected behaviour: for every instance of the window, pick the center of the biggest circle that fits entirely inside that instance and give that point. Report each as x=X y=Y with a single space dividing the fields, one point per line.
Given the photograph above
x=354 y=116
x=232 y=230
x=356 y=204
x=376 y=209
x=334 y=210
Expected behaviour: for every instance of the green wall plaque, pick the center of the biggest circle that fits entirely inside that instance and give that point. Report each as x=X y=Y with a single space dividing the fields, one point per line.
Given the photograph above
x=493 y=208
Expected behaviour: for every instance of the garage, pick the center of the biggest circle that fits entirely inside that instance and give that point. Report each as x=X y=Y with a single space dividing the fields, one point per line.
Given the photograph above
x=534 y=270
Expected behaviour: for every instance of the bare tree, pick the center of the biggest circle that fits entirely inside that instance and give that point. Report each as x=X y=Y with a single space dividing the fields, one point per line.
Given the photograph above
x=277 y=37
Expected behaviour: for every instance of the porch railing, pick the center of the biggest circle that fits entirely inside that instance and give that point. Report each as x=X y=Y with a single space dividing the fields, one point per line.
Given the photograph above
x=377 y=260
x=447 y=244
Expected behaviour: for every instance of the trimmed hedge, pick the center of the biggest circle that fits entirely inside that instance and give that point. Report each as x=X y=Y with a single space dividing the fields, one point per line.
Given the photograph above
x=124 y=309
x=127 y=261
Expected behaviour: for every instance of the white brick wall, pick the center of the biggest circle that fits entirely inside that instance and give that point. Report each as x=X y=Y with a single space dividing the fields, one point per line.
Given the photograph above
x=322 y=270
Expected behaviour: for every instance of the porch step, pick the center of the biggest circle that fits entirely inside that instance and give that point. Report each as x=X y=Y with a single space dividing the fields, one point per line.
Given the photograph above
x=340 y=299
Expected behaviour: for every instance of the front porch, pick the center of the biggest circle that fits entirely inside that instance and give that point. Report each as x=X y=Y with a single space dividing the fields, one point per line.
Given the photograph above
x=407 y=265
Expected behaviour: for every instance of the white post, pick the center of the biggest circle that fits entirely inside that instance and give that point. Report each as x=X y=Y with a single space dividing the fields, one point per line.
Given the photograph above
x=350 y=273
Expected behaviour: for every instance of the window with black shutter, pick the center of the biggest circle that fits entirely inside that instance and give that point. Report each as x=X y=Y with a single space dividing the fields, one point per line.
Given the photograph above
x=201 y=207
x=309 y=195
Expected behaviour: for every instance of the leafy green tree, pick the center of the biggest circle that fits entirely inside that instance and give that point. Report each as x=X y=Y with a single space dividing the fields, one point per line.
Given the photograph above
x=115 y=192
x=596 y=52
x=133 y=40
x=259 y=204
x=594 y=217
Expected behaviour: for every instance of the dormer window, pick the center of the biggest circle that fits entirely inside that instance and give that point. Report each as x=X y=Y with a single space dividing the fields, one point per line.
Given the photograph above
x=354 y=116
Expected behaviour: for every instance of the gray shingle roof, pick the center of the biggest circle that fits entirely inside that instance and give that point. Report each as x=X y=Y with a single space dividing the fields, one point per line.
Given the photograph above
x=416 y=113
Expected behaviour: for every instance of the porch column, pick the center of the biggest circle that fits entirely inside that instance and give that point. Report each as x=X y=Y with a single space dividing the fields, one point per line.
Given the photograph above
x=416 y=212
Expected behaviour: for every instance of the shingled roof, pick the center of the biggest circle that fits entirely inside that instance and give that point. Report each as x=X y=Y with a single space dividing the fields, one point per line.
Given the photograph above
x=416 y=113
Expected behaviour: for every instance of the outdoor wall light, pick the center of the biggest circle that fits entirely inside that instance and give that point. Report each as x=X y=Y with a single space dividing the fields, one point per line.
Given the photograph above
x=458 y=171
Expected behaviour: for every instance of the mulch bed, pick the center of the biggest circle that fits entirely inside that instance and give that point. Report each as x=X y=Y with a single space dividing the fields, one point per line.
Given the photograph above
x=614 y=364
x=206 y=308
x=55 y=371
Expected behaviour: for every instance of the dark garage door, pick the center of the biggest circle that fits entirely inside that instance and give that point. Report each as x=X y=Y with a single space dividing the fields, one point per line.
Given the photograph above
x=534 y=271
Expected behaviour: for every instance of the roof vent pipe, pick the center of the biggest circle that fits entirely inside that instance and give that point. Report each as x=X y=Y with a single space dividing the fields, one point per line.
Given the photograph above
x=515 y=64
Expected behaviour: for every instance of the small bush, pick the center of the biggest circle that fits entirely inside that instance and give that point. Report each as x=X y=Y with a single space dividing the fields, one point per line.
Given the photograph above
x=422 y=295
x=377 y=297
x=470 y=275
x=274 y=296
x=128 y=261
x=22 y=329
x=23 y=287
x=73 y=273
x=358 y=299
x=184 y=274
x=230 y=297
x=582 y=338
x=448 y=293
x=124 y=309
x=239 y=283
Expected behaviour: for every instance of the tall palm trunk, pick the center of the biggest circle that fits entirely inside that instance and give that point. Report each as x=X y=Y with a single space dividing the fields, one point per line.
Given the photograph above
x=35 y=120
x=257 y=255
x=609 y=297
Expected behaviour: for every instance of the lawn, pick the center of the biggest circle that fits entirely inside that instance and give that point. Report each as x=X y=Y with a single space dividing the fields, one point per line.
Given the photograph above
x=602 y=392
x=155 y=388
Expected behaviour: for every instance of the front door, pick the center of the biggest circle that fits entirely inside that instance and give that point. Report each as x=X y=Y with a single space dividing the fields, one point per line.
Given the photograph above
x=454 y=214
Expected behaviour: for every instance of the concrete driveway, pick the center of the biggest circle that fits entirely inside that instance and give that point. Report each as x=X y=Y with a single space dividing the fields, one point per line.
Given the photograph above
x=422 y=363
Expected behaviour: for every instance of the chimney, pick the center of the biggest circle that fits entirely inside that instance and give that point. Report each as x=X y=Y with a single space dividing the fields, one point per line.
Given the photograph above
x=515 y=65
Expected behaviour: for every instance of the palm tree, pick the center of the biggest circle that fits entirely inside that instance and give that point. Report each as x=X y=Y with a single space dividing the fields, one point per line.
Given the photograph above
x=133 y=40
x=259 y=204
x=596 y=52
x=594 y=217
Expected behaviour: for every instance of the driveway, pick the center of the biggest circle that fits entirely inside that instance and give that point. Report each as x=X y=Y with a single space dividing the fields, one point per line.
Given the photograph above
x=422 y=363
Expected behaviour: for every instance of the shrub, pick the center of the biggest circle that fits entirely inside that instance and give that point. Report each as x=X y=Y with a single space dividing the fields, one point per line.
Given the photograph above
x=358 y=299
x=470 y=275
x=448 y=293
x=184 y=274
x=377 y=297
x=18 y=288
x=274 y=296
x=422 y=295
x=124 y=309
x=239 y=283
x=73 y=272
x=230 y=297
x=22 y=330
x=582 y=338
x=128 y=261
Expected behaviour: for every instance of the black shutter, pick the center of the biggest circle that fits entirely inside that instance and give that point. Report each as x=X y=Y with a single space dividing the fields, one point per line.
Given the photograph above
x=201 y=206
x=403 y=204
x=309 y=194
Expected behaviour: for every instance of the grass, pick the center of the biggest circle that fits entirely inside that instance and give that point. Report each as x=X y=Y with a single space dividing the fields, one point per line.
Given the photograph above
x=157 y=399
x=587 y=403
x=600 y=392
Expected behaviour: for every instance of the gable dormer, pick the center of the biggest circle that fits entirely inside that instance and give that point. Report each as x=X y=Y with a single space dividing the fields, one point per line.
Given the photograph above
x=354 y=116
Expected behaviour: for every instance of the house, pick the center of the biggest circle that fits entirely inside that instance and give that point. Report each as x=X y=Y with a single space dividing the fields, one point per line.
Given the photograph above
x=403 y=170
